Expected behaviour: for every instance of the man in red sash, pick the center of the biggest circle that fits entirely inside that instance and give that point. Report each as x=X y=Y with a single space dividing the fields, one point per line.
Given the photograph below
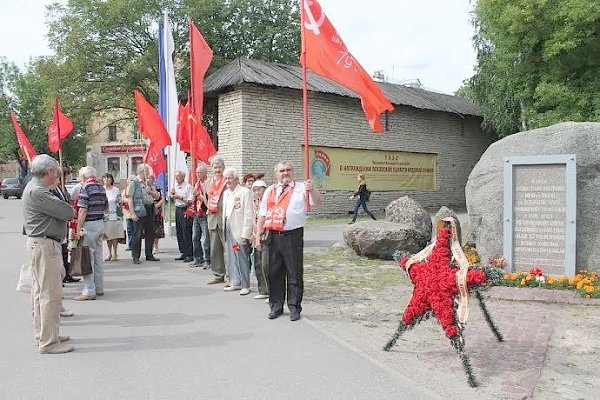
x=216 y=186
x=283 y=214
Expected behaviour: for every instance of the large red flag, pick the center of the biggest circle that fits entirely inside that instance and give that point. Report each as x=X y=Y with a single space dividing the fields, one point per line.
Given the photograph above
x=327 y=55
x=150 y=124
x=27 y=149
x=183 y=131
x=155 y=159
x=200 y=57
x=201 y=142
x=60 y=127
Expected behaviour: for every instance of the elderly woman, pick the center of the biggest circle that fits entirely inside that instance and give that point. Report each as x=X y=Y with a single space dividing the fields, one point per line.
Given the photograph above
x=159 y=223
x=113 y=221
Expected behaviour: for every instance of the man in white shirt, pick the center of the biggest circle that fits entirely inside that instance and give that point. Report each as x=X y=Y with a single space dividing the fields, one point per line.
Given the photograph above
x=283 y=214
x=183 y=194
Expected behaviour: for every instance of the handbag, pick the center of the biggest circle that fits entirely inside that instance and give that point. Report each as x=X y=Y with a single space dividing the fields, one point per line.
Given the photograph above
x=25 y=278
x=81 y=263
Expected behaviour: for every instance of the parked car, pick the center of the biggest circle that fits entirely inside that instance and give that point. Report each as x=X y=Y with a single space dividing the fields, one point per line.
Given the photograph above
x=11 y=187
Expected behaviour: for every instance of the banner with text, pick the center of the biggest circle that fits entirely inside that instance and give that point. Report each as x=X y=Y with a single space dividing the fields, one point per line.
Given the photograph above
x=333 y=168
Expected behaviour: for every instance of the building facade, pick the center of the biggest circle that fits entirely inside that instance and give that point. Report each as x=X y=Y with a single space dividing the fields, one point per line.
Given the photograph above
x=258 y=120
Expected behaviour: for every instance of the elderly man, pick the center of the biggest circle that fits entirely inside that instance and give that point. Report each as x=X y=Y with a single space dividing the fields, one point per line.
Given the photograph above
x=237 y=225
x=92 y=204
x=214 y=204
x=45 y=218
x=260 y=254
x=283 y=214
x=200 y=235
x=183 y=194
x=140 y=199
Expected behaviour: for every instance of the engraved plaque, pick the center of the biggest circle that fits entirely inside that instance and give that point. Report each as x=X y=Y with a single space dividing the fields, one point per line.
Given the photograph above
x=539 y=213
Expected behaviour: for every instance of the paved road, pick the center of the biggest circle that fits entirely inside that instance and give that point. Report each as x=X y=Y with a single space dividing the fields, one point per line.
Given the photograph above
x=161 y=333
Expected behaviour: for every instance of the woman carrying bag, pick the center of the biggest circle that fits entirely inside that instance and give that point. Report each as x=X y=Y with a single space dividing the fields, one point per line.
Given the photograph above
x=363 y=197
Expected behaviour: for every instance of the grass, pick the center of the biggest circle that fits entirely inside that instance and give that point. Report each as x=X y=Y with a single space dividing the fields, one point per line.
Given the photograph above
x=342 y=269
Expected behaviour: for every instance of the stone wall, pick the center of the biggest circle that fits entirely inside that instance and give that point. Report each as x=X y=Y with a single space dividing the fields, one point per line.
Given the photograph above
x=259 y=126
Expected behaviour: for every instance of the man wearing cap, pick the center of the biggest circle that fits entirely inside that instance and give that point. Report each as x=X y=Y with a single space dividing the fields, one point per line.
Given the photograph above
x=283 y=215
x=260 y=253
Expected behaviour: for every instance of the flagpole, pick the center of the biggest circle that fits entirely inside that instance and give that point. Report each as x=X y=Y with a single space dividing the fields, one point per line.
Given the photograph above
x=304 y=99
x=60 y=156
x=191 y=102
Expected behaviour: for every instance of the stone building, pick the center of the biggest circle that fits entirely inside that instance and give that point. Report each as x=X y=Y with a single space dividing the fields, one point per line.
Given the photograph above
x=430 y=144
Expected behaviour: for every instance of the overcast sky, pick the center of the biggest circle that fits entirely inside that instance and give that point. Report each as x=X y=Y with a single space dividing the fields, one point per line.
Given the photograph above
x=429 y=40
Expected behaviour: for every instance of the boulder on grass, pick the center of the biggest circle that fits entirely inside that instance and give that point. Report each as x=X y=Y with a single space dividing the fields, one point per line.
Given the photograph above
x=380 y=239
x=446 y=212
x=407 y=211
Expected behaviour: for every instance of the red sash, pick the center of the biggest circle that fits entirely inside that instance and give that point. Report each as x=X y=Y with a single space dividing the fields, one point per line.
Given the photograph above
x=214 y=193
x=277 y=208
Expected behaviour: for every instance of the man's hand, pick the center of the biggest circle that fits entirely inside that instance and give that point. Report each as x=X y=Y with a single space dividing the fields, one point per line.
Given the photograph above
x=308 y=185
x=134 y=217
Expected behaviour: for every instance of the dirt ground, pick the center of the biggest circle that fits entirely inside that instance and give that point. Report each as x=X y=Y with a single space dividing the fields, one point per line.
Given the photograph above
x=551 y=351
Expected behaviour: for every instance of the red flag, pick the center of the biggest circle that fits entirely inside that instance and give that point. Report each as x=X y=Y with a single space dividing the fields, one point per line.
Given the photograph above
x=204 y=147
x=183 y=132
x=27 y=149
x=327 y=55
x=60 y=127
x=155 y=159
x=200 y=57
x=150 y=124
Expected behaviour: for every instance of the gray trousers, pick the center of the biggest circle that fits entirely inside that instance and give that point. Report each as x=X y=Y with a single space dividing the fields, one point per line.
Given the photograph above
x=217 y=255
x=94 y=283
x=238 y=267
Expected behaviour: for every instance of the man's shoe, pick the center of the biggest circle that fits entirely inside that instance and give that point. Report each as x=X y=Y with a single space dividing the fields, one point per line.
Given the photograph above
x=294 y=315
x=152 y=259
x=60 y=339
x=136 y=261
x=127 y=248
x=244 y=291
x=231 y=288
x=66 y=313
x=261 y=296
x=188 y=259
x=275 y=314
x=181 y=257
x=58 y=349
x=194 y=265
x=215 y=280
x=206 y=265
x=99 y=293
x=85 y=297
x=70 y=279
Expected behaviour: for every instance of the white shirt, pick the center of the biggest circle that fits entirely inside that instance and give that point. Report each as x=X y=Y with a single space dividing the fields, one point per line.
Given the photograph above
x=112 y=195
x=228 y=197
x=295 y=216
x=186 y=191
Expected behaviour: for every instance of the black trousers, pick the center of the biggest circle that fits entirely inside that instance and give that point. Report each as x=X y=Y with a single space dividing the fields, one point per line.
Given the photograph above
x=143 y=225
x=65 y=257
x=286 y=270
x=184 y=232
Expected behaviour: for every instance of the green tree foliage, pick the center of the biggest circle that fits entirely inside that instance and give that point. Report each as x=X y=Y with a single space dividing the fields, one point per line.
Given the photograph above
x=106 y=49
x=30 y=95
x=538 y=63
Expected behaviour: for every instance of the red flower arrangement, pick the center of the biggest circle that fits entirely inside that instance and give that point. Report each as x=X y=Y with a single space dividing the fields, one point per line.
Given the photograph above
x=438 y=285
x=536 y=271
x=435 y=286
x=235 y=247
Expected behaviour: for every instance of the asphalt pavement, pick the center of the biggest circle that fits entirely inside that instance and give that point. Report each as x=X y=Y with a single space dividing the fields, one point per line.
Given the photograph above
x=161 y=333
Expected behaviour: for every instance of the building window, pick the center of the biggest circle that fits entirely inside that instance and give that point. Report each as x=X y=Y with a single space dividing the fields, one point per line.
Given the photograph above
x=113 y=167
x=112 y=133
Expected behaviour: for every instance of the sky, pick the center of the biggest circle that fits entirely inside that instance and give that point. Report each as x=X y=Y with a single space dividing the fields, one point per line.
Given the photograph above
x=428 y=40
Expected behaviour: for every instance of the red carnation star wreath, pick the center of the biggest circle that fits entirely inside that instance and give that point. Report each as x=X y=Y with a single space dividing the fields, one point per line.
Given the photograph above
x=442 y=280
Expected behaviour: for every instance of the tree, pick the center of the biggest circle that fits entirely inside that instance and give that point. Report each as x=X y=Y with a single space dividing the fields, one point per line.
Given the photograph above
x=106 y=49
x=538 y=63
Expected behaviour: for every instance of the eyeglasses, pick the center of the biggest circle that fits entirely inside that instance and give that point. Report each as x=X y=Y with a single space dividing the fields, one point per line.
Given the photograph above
x=286 y=170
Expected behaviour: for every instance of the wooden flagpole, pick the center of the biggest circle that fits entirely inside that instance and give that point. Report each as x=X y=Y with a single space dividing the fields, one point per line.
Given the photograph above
x=60 y=156
x=304 y=100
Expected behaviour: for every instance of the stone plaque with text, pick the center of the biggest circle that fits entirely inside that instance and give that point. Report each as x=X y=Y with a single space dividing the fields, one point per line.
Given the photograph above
x=539 y=213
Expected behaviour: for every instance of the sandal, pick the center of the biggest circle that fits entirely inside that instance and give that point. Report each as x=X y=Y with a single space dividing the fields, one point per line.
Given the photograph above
x=109 y=258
